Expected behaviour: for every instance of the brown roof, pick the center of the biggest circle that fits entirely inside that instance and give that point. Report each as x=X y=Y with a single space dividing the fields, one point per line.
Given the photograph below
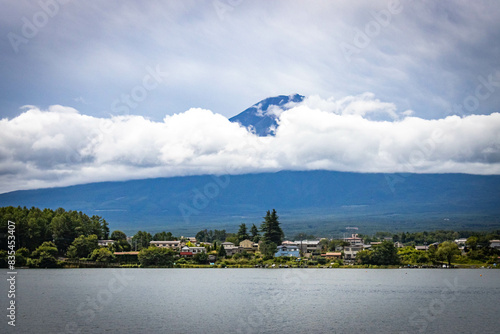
x=126 y=253
x=332 y=254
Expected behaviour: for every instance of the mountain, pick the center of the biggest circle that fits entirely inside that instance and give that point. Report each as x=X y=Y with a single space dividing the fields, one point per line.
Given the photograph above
x=314 y=202
x=261 y=118
x=317 y=202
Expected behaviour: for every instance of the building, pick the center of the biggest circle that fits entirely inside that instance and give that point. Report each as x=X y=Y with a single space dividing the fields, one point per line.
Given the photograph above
x=175 y=245
x=308 y=246
x=231 y=249
x=190 y=251
x=190 y=239
x=422 y=248
x=227 y=244
x=495 y=244
x=461 y=241
x=354 y=240
x=351 y=251
x=332 y=255
x=286 y=250
x=249 y=246
x=105 y=243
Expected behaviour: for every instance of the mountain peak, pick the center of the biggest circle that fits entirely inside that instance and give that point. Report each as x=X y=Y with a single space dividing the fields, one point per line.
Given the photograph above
x=261 y=118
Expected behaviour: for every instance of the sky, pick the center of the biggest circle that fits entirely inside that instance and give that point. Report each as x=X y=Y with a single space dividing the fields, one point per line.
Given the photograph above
x=114 y=90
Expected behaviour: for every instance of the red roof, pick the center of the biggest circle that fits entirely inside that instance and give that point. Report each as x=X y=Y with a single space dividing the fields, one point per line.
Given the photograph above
x=186 y=253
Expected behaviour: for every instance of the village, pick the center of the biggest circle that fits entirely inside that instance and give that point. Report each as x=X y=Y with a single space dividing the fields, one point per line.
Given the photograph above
x=301 y=253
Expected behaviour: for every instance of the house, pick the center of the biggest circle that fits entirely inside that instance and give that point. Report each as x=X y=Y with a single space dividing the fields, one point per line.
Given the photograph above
x=332 y=255
x=397 y=244
x=354 y=240
x=185 y=252
x=422 y=248
x=289 y=243
x=175 y=245
x=249 y=246
x=351 y=251
x=190 y=251
x=461 y=241
x=308 y=246
x=105 y=243
x=287 y=250
x=495 y=244
x=231 y=250
x=227 y=244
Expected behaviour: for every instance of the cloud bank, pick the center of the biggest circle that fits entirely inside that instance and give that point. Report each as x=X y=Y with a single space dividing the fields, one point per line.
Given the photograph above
x=61 y=147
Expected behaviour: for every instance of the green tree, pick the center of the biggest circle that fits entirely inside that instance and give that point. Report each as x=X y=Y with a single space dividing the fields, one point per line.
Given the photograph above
x=471 y=243
x=270 y=228
x=3 y=258
x=22 y=255
x=103 y=255
x=118 y=235
x=141 y=240
x=432 y=254
x=447 y=250
x=219 y=235
x=164 y=236
x=232 y=238
x=268 y=249
x=364 y=257
x=120 y=246
x=383 y=254
x=324 y=245
x=82 y=246
x=254 y=231
x=156 y=257
x=242 y=233
x=44 y=256
x=203 y=236
x=221 y=252
x=201 y=258
x=332 y=245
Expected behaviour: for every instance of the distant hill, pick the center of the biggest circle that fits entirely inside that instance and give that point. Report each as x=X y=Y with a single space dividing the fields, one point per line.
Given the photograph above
x=318 y=202
x=261 y=118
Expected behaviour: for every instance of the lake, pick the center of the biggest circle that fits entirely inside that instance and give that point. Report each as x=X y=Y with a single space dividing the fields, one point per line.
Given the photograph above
x=255 y=301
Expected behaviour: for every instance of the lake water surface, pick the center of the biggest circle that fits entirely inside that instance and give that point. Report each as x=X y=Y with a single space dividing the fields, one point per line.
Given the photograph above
x=255 y=301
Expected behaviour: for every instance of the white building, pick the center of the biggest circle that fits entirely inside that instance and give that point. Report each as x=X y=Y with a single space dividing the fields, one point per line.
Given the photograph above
x=176 y=245
x=105 y=243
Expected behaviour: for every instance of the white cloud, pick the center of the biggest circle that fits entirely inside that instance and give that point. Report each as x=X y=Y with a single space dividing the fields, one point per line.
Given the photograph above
x=60 y=147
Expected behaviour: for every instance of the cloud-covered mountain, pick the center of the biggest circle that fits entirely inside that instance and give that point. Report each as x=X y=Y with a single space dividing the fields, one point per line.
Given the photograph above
x=262 y=118
x=61 y=147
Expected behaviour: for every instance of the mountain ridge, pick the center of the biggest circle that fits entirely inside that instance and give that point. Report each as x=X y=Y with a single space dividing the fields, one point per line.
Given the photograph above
x=311 y=200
